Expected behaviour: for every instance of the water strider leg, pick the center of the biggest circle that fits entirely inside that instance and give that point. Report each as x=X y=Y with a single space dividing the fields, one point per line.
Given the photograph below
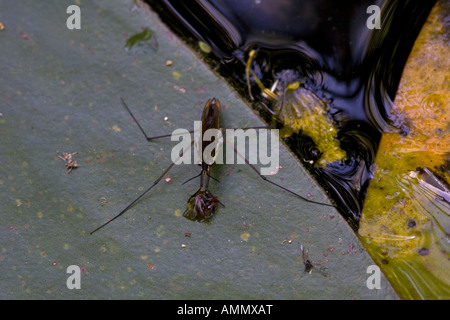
x=136 y=200
x=276 y=184
x=192 y=131
x=142 y=130
x=192 y=178
x=154 y=183
x=199 y=176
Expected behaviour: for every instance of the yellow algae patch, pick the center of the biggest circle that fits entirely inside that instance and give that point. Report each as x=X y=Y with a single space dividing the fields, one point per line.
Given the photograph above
x=302 y=110
x=245 y=236
x=160 y=231
x=176 y=75
x=405 y=223
x=204 y=47
x=114 y=249
x=178 y=213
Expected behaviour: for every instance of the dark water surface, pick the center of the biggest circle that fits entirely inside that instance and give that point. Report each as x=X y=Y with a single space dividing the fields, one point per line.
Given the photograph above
x=328 y=47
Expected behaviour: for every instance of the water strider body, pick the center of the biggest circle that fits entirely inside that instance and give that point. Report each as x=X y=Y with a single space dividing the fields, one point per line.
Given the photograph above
x=202 y=204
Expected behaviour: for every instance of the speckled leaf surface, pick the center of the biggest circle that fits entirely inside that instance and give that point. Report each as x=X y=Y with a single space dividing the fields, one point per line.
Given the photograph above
x=60 y=92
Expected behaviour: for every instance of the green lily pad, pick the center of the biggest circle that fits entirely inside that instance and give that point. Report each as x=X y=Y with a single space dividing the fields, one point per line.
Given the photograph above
x=61 y=93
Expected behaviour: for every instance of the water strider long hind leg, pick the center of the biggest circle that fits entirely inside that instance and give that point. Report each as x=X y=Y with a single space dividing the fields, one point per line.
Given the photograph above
x=135 y=200
x=142 y=130
x=274 y=183
x=154 y=183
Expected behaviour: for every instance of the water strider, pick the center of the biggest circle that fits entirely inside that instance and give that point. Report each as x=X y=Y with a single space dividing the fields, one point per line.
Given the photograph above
x=202 y=204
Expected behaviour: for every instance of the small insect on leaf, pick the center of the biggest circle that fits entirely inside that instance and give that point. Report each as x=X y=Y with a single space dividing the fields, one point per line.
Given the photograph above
x=309 y=265
x=69 y=161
